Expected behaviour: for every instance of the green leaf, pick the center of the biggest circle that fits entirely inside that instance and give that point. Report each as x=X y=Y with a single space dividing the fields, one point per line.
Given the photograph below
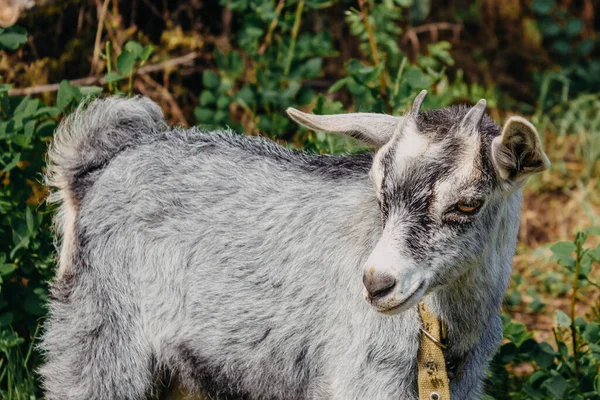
x=548 y=27
x=561 y=47
x=6 y=268
x=13 y=163
x=441 y=50
x=557 y=386
x=207 y=98
x=364 y=73
x=325 y=106
x=562 y=319
x=125 y=62
x=593 y=230
x=574 y=27
x=204 y=115
x=5 y=87
x=542 y=7
x=585 y=265
x=32 y=305
x=52 y=112
x=516 y=333
x=313 y=67
x=337 y=85
x=29 y=220
x=562 y=252
x=416 y=78
x=146 y=53
x=210 y=79
x=46 y=128
x=91 y=91
x=65 y=94
x=245 y=96
x=6 y=319
x=223 y=102
x=112 y=77
x=12 y=40
x=595 y=253
x=563 y=248
x=507 y=353
x=591 y=333
x=544 y=355
x=134 y=48
x=235 y=64
x=585 y=47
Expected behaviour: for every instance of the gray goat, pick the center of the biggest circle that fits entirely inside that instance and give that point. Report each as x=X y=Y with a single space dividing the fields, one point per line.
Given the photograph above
x=242 y=267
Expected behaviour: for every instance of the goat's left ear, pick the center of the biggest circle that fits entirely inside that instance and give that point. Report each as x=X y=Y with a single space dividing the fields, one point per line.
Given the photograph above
x=518 y=152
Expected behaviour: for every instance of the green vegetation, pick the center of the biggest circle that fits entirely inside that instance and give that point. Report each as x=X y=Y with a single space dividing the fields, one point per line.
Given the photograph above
x=240 y=63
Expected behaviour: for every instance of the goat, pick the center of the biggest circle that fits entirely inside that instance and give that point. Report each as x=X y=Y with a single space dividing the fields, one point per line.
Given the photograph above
x=243 y=267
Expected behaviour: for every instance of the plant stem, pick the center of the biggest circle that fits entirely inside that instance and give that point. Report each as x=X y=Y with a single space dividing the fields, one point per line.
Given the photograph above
x=108 y=63
x=96 y=54
x=373 y=44
x=573 y=298
x=272 y=26
x=399 y=76
x=130 y=88
x=295 y=30
x=37 y=328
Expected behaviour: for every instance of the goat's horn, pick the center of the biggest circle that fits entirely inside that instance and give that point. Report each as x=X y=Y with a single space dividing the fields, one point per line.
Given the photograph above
x=416 y=106
x=474 y=116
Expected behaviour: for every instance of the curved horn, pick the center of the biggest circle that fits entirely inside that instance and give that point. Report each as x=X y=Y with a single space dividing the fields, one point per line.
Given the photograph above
x=374 y=129
x=473 y=118
x=416 y=106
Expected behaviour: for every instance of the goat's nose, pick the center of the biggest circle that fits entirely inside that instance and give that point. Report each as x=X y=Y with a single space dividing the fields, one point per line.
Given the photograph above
x=378 y=285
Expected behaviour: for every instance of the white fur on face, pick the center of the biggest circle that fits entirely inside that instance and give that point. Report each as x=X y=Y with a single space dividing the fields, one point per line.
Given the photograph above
x=411 y=145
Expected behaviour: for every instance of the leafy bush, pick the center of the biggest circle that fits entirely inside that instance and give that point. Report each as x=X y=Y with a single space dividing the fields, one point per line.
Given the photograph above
x=570 y=369
x=26 y=251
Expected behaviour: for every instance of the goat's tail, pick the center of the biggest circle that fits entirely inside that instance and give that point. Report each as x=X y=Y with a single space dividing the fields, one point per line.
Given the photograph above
x=85 y=142
x=92 y=135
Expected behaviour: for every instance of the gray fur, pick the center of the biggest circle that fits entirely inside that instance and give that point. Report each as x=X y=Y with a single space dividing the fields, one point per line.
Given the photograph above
x=237 y=265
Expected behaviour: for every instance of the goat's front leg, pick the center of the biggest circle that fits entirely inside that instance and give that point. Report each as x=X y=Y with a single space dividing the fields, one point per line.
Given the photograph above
x=469 y=383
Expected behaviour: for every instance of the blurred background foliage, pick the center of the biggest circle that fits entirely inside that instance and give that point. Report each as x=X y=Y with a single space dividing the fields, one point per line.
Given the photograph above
x=241 y=63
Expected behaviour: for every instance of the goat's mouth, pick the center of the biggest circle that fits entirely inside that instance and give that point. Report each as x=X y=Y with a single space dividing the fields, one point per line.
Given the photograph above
x=396 y=301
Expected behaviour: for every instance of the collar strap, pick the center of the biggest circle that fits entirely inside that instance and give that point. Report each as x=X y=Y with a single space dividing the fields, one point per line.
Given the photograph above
x=432 y=376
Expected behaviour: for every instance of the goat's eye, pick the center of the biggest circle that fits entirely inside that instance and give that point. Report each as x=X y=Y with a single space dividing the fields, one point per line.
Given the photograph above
x=468 y=207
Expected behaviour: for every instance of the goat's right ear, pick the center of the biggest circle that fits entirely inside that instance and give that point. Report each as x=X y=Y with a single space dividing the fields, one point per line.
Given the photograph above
x=373 y=129
x=517 y=152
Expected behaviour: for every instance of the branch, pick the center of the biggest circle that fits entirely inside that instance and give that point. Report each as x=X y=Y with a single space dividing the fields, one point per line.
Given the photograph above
x=295 y=30
x=90 y=80
x=101 y=16
x=164 y=93
x=373 y=44
x=272 y=26
x=433 y=29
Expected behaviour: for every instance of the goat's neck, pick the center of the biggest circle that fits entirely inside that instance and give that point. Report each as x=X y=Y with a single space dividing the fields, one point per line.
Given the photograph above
x=467 y=304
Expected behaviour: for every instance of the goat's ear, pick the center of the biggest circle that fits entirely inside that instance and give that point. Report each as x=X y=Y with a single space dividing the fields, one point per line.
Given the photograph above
x=518 y=152
x=374 y=129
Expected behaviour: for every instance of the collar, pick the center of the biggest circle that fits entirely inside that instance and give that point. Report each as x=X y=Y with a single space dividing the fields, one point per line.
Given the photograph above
x=432 y=374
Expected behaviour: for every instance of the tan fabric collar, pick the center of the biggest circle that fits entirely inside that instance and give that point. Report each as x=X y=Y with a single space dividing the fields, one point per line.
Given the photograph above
x=433 y=378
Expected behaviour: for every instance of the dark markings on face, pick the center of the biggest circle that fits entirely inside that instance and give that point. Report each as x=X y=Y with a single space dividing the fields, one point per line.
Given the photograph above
x=412 y=193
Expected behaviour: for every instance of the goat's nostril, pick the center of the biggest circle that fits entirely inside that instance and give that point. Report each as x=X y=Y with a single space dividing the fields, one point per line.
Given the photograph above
x=379 y=285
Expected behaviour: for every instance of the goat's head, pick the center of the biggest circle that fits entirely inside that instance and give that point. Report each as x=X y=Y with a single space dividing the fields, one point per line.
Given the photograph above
x=440 y=178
